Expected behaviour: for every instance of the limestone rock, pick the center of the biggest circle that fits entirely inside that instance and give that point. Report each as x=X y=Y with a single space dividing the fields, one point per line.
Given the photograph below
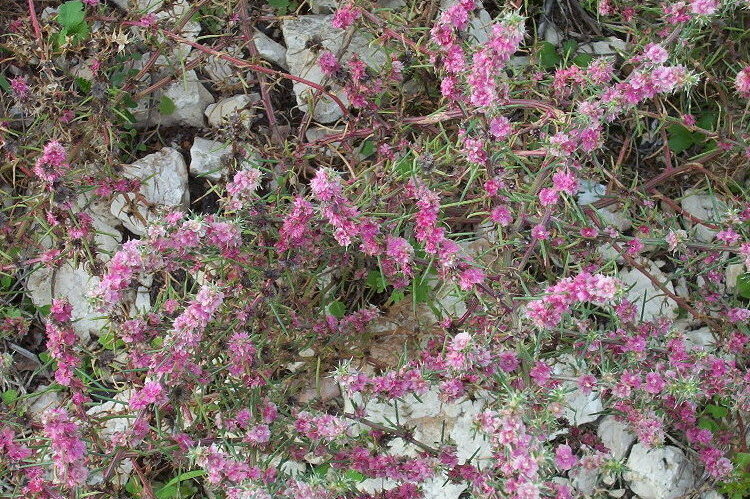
x=302 y=32
x=72 y=283
x=221 y=112
x=205 y=158
x=164 y=185
x=615 y=436
x=190 y=99
x=659 y=473
x=706 y=207
x=649 y=299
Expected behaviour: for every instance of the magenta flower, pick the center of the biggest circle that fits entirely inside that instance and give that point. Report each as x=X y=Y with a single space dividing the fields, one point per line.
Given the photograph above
x=564 y=458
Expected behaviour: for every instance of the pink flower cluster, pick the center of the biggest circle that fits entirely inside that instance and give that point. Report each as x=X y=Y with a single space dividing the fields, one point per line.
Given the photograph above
x=68 y=450
x=61 y=340
x=337 y=209
x=548 y=311
x=345 y=16
x=242 y=186
x=53 y=163
x=323 y=427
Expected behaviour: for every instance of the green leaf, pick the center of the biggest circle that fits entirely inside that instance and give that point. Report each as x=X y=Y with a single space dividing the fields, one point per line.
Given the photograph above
x=70 y=14
x=548 y=56
x=376 y=281
x=109 y=341
x=281 y=6
x=421 y=291
x=568 y=48
x=680 y=138
x=12 y=312
x=10 y=396
x=742 y=458
x=706 y=120
x=708 y=424
x=44 y=309
x=6 y=281
x=4 y=83
x=169 y=490
x=743 y=285
x=337 y=309
x=166 y=105
x=166 y=492
x=321 y=470
x=717 y=411
x=368 y=147
x=583 y=60
x=397 y=296
x=354 y=476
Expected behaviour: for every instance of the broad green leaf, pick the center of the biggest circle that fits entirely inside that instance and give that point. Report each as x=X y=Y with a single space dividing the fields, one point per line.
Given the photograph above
x=368 y=147
x=70 y=14
x=548 y=56
x=376 y=281
x=4 y=83
x=568 y=48
x=281 y=6
x=708 y=424
x=680 y=138
x=583 y=60
x=354 y=476
x=6 y=281
x=337 y=309
x=10 y=396
x=166 y=105
x=717 y=411
x=743 y=285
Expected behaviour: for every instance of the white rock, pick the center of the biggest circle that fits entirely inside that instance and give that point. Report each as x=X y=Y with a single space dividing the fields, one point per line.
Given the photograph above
x=615 y=219
x=656 y=304
x=615 y=436
x=706 y=207
x=190 y=100
x=330 y=6
x=144 y=6
x=702 y=337
x=731 y=274
x=302 y=60
x=43 y=399
x=607 y=47
x=108 y=236
x=580 y=408
x=106 y=414
x=439 y=487
x=270 y=50
x=223 y=110
x=205 y=158
x=164 y=184
x=659 y=473
x=590 y=192
x=584 y=480
x=72 y=283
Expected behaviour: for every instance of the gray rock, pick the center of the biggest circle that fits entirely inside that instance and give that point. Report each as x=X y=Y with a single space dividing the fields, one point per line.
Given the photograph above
x=615 y=436
x=205 y=158
x=72 y=283
x=731 y=274
x=706 y=207
x=649 y=299
x=702 y=337
x=270 y=50
x=190 y=99
x=43 y=399
x=590 y=192
x=302 y=60
x=164 y=185
x=217 y=114
x=659 y=473
x=480 y=22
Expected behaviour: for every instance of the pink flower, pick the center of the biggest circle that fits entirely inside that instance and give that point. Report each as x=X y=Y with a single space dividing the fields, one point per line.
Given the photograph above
x=20 y=87
x=742 y=82
x=564 y=458
x=328 y=63
x=242 y=186
x=540 y=232
x=501 y=215
x=655 y=53
x=500 y=127
x=586 y=383
x=53 y=162
x=540 y=373
x=548 y=196
x=151 y=393
x=345 y=16
x=703 y=7
x=68 y=450
x=470 y=277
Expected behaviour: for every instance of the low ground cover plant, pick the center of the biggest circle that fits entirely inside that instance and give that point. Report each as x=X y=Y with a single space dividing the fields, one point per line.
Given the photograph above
x=532 y=214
